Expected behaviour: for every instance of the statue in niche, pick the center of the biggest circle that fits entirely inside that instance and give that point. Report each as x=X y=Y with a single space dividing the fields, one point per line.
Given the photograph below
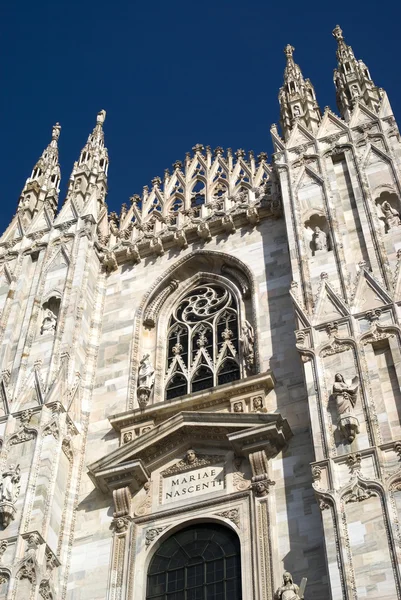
x=10 y=484
x=49 y=323
x=289 y=590
x=296 y=111
x=10 y=487
x=248 y=340
x=355 y=90
x=319 y=239
x=345 y=396
x=391 y=216
x=146 y=379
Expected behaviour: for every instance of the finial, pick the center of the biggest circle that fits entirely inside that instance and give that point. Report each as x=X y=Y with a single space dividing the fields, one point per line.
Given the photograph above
x=338 y=33
x=56 y=131
x=101 y=117
x=289 y=50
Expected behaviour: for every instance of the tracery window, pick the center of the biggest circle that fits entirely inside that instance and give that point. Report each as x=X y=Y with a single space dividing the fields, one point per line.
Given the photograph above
x=203 y=341
x=200 y=562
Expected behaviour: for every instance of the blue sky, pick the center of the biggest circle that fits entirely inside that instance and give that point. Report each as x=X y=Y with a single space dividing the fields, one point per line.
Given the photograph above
x=170 y=75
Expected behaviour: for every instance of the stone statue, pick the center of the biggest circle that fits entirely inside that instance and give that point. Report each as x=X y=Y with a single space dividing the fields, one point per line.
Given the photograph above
x=296 y=111
x=49 y=322
x=146 y=375
x=248 y=340
x=10 y=484
x=319 y=239
x=146 y=379
x=238 y=408
x=391 y=216
x=345 y=396
x=289 y=590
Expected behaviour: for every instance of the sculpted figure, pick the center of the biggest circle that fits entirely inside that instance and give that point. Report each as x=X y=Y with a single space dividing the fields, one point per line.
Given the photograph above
x=146 y=376
x=238 y=408
x=10 y=485
x=319 y=239
x=289 y=590
x=345 y=394
x=392 y=217
x=49 y=322
x=248 y=340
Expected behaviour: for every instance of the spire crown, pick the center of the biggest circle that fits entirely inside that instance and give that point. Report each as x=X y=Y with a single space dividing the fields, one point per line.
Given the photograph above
x=297 y=97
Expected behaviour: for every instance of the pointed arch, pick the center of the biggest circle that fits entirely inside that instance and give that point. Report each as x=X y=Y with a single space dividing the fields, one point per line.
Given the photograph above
x=208 y=266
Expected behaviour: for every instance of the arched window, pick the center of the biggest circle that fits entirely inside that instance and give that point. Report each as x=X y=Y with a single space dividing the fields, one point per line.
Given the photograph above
x=203 y=341
x=200 y=562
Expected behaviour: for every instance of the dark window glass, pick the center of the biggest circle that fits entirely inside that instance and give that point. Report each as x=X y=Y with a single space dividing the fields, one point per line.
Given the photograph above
x=201 y=562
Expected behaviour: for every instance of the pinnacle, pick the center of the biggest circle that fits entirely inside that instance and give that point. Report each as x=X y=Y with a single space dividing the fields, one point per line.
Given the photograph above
x=289 y=50
x=338 y=33
x=56 y=129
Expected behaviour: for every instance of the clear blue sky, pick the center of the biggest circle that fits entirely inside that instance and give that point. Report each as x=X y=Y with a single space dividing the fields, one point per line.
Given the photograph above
x=170 y=74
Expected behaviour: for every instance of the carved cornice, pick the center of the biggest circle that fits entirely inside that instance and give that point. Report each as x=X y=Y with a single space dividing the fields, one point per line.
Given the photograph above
x=200 y=400
x=131 y=464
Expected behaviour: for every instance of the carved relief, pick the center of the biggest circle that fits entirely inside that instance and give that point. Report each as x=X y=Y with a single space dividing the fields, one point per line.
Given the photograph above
x=232 y=515
x=192 y=460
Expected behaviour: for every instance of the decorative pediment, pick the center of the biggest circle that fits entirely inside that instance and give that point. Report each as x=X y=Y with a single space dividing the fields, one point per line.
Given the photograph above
x=131 y=464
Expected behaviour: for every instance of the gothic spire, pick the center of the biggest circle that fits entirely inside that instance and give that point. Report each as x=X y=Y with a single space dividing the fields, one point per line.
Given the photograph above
x=88 y=179
x=42 y=187
x=297 y=98
x=352 y=80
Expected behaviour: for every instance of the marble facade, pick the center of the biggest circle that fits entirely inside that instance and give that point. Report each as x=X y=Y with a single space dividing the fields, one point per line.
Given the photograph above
x=299 y=452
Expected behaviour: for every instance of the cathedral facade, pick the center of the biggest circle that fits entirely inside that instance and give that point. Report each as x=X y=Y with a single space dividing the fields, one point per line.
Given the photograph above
x=200 y=397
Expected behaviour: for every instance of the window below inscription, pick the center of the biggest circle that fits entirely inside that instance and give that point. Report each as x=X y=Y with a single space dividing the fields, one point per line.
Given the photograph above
x=201 y=562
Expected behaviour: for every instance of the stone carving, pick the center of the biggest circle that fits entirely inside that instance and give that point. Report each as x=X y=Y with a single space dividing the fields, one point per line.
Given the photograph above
x=232 y=515
x=391 y=216
x=49 y=323
x=152 y=534
x=109 y=261
x=289 y=590
x=24 y=434
x=261 y=485
x=238 y=407
x=192 y=461
x=10 y=487
x=127 y=437
x=153 y=309
x=359 y=493
x=319 y=240
x=121 y=524
x=146 y=379
x=248 y=341
x=240 y=482
x=257 y=404
x=3 y=548
x=345 y=396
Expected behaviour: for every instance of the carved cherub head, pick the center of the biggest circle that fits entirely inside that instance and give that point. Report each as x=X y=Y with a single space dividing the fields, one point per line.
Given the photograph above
x=190 y=456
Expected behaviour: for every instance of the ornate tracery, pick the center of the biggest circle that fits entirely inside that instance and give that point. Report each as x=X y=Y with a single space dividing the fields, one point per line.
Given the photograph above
x=203 y=341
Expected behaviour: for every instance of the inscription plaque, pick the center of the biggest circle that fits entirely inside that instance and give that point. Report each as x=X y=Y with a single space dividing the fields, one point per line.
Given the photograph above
x=193 y=483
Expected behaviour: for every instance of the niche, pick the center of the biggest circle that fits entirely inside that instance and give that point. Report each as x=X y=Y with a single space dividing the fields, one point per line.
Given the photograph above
x=388 y=210
x=317 y=234
x=50 y=314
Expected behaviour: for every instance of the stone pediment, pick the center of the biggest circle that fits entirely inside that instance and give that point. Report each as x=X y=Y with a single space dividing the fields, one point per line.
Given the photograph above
x=131 y=464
